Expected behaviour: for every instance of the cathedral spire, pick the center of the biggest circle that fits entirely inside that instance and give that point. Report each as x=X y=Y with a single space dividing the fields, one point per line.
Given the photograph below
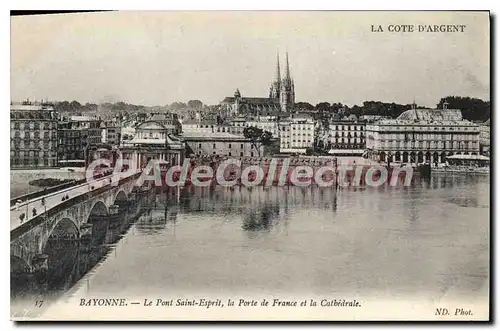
x=278 y=74
x=287 y=68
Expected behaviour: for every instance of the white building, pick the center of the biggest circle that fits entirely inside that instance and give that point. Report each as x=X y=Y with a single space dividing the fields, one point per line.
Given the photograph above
x=422 y=135
x=153 y=140
x=297 y=134
x=349 y=135
x=484 y=137
x=219 y=143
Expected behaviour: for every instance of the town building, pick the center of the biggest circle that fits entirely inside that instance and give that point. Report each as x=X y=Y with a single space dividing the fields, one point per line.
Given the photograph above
x=169 y=121
x=111 y=133
x=296 y=134
x=345 y=137
x=33 y=135
x=281 y=96
x=76 y=136
x=422 y=135
x=219 y=143
x=153 y=140
x=204 y=126
x=484 y=137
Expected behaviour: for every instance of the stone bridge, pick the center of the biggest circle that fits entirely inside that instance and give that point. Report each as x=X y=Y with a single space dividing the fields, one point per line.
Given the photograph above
x=85 y=218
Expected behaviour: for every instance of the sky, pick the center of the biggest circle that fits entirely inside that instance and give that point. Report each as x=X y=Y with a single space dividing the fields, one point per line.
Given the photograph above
x=156 y=58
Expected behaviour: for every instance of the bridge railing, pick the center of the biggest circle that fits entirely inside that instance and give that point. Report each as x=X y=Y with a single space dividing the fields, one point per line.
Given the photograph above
x=52 y=189
x=91 y=185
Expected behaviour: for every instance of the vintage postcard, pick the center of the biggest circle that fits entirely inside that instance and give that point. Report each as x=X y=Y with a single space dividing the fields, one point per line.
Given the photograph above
x=250 y=165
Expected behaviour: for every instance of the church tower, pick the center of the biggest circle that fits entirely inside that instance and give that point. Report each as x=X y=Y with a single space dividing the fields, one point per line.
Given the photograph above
x=287 y=98
x=275 y=90
x=236 y=105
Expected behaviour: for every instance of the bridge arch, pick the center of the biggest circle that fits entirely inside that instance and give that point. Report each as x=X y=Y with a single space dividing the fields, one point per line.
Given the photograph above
x=64 y=230
x=121 y=195
x=99 y=219
x=118 y=212
x=61 y=248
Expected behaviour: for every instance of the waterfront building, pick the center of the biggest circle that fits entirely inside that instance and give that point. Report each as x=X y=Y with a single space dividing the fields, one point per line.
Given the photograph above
x=422 y=135
x=297 y=134
x=345 y=137
x=153 y=140
x=219 y=143
x=33 y=135
x=281 y=96
x=484 y=137
x=77 y=135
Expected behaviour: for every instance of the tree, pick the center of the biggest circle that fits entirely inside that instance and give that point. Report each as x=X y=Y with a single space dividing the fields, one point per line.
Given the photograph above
x=75 y=105
x=323 y=107
x=178 y=105
x=304 y=105
x=196 y=104
x=472 y=109
x=91 y=106
x=258 y=137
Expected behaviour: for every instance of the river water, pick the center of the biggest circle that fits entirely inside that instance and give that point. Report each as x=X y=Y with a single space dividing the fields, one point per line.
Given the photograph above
x=430 y=240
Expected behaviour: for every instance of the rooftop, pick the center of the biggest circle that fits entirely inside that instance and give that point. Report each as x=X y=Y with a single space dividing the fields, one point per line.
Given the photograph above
x=195 y=135
x=31 y=107
x=432 y=115
x=424 y=122
x=77 y=118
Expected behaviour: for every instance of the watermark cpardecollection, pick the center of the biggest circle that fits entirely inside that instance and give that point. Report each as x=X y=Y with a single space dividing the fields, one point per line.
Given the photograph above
x=231 y=172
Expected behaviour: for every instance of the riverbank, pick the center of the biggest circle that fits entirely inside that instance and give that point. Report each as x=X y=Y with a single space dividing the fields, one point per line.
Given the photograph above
x=20 y=178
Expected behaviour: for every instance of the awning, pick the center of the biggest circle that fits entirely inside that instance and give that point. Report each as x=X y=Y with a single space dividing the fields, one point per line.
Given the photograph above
x=469 y=157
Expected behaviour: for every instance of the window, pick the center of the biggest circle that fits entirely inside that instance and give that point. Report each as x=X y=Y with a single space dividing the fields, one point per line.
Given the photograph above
x=230 y=147
x=241 y=153
x=199 y=145
x=213 y=147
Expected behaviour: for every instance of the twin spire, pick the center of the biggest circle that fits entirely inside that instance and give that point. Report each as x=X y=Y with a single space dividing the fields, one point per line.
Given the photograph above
x=287 y=68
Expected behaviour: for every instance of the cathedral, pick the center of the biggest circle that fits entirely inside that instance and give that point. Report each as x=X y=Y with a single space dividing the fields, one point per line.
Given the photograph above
x=281 y=96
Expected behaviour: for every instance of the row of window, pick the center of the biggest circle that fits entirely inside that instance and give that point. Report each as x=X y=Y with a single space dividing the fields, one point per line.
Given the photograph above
x=421 y=128
x=303 y=140
x=31 y=144
x=35 y=153
x=439 y=144
x=347 y=134
x=415 y=138
x=348 y=128
x=32 y=162
x=214 y=146
x=229 y=153
x=36 y=134
x=344 y=139
x=33 y=125
x=36 y=115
